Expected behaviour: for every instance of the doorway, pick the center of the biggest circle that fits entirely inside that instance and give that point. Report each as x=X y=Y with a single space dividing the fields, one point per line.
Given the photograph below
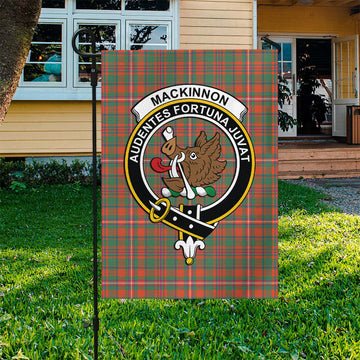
x=306 y=66
x=286 y=72
x=314 y=87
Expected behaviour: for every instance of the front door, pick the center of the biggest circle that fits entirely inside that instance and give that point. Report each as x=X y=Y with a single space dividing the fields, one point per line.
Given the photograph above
x=346 y=80
x=286 y=69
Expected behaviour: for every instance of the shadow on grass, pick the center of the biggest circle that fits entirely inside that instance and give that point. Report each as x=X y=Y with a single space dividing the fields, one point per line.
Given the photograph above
x=315 y=301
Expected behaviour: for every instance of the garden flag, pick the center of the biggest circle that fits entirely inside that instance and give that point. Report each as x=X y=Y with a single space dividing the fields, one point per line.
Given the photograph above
x=189 y=164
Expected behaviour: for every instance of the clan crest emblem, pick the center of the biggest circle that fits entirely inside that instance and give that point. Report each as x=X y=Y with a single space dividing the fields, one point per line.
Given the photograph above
x=197 y=179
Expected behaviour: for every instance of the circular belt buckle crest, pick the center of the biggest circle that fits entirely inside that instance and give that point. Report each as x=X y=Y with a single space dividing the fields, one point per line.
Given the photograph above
x=189 y=161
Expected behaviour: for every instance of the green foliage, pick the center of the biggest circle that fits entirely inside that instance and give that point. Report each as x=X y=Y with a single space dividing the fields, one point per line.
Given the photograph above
x=17 y=186
x=285 y=121
x=10 y=171
x=45 y=173
x=46 y=290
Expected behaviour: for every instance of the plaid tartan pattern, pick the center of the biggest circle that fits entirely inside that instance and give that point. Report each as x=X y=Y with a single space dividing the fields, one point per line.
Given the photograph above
x=240 y=257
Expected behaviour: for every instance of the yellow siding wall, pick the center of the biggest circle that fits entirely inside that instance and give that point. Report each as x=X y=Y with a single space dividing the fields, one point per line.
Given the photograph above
x=64 y=127
x=48 y=128
x=301 y=19
x=216 y=24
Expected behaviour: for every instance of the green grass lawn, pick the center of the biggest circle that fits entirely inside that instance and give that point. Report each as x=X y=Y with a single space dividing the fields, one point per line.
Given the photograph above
x=46 y=290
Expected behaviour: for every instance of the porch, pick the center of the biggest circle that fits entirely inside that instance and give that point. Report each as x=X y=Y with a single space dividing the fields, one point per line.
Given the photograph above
x=319 y=60
x=318 y=157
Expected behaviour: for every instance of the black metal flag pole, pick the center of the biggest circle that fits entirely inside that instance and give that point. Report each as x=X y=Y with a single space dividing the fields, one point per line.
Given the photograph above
x=272 y=43
x=93 y=56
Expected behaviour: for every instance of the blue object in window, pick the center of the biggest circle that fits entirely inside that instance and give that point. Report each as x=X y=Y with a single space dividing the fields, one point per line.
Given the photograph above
x=45 y=77
x=53 y=68
x=53 y=71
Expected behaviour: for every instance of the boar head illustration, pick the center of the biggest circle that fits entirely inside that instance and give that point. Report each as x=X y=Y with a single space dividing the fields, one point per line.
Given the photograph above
x=196 y=166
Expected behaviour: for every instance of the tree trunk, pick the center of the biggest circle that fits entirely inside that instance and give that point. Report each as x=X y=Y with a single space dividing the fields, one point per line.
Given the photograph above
x=18 y=19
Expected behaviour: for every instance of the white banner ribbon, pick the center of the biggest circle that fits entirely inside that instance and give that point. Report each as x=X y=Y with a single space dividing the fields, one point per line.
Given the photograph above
x=189 y=92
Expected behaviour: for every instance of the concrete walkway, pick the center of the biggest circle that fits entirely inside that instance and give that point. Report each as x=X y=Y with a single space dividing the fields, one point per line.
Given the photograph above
x=344 y=193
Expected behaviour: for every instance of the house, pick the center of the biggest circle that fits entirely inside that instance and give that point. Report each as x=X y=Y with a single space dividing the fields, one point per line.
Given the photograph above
x=50 y=113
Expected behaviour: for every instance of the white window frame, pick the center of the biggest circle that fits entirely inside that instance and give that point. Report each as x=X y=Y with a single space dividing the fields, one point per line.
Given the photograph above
x=148 y=22
x=77 y=23
x=52 y=84
x=71 y=88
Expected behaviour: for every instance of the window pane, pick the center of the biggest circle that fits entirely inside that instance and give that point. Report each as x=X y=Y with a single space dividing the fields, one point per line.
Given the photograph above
x=286 y=52
x=148 y=47
x=50 y=71
x=148 y=37
x=105 y=36
x=287 y=70
x=159 y=5
x=43 y=52
x=103 y=33
x=85 y=72
x=47 y=33
x=267 y=46
x=44 y=63
x=53 y=4
x=99 y=4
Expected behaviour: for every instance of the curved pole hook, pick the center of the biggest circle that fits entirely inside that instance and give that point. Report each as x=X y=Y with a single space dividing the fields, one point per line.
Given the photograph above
x=92 y=55
x=92 y=39
x=273 y=43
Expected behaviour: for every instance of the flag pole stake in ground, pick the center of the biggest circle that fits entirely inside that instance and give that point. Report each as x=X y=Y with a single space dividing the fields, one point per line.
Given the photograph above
x=92 y=55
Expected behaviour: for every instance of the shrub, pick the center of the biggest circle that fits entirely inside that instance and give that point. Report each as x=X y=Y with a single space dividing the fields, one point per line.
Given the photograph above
x=51 y=173
x=10 y=171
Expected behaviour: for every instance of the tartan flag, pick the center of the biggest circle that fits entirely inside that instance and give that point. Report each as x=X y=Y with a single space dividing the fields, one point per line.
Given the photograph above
x=189 y=174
